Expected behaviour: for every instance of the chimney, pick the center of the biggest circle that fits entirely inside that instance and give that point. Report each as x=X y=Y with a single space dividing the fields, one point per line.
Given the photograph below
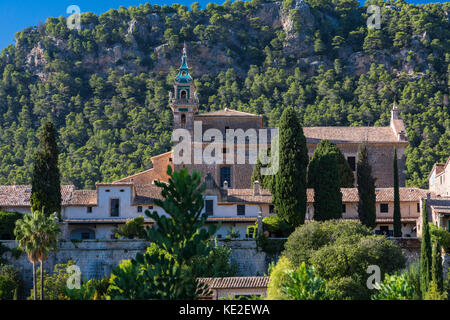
x=256 y=188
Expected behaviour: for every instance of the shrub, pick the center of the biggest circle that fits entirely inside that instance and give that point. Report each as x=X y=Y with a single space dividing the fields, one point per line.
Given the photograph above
x=55 y=283
x=133 y=228
x=10 y=282
x=216 y=264
x=394 y=287
x=304 y=284
x=343 y=250
x=277 y=226
x=313 y=235
x=278 y=275
x=433 y=293
x=441 y=236
x=8 y=223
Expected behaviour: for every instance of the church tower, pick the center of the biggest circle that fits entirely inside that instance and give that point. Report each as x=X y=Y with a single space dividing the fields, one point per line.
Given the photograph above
x=183 y=101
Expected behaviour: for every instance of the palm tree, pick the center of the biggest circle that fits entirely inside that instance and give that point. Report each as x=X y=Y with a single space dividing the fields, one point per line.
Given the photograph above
x=37 y=235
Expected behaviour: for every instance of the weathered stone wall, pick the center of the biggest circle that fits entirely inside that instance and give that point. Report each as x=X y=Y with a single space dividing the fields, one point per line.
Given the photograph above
x=97 y=258
x=410 y=248
x=250 y=260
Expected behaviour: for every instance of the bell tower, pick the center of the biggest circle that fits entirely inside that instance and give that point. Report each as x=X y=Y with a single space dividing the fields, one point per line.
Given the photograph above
x=183 y=101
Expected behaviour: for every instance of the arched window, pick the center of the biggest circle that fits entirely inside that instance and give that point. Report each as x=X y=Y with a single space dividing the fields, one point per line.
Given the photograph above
x=225 y=175
x=183 y=95
x=183 y=120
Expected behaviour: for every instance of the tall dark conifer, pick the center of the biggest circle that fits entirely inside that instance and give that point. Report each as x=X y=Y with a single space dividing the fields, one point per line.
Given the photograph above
x=436 y=267
x=425 y=252
x=289 y=186
x=397 y=213
x=323 y=176
x=366 y=189
x=46 y=185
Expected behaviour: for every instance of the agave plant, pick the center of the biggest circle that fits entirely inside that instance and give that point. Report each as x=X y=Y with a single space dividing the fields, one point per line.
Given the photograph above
x=37 y=235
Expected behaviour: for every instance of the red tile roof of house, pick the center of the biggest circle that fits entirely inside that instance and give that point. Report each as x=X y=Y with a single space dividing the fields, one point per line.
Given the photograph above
x=19 y=195
x=351 y=134
x=235 y=282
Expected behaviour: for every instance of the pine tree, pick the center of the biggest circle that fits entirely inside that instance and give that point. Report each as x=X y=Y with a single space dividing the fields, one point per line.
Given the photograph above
x=436 y=267
x=425 y=252
x=289 y=186
x=46 y=185
x=323 y=176
x=366 y=189
x=397 y=213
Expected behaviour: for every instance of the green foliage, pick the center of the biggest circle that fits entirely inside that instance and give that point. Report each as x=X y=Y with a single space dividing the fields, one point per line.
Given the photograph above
x=433 y=293
x=46 y=190
x=276 y=225
x=37 y=235
x=168 y=273
x=7 y=224
x=341 y=251
x=440 y=235
x=323 y=176
x=394 y=287
x=91 y=290
x=216 y=264
x=413 y=277
x=289 y=189
x=397 y=213
x=278 y=275
x=55 y=283
x=346 y=176
x=133 y=228
x=425 y=252
x=436 y=268
x=271 y=246
x=10 y=282
x=113 y=116
x=304 y=284
x=366 y=189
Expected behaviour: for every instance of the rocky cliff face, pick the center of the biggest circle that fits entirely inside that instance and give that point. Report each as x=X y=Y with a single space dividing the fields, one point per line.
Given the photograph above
x=298 y=22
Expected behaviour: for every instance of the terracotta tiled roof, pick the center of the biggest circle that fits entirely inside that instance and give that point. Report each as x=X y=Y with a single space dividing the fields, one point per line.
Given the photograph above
x=232 y=219
x=105 y=220
x=350 y=134
x=19 y=195
x=235 y=282
x=228 y=113
x=83 y=198
x=146 y=194
x=349 y=195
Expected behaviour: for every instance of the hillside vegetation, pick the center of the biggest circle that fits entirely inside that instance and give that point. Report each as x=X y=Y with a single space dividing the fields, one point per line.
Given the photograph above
x=106 y=86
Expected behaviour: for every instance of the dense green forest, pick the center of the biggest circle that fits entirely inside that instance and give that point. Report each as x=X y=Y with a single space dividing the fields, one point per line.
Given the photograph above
x=106 y=85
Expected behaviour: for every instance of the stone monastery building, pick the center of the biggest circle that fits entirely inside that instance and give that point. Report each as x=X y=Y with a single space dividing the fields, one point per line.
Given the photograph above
x=93 y=214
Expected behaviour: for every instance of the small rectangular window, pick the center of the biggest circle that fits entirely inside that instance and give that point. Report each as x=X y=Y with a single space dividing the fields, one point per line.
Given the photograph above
x=418 y=207
x=139 y=209
x=89 y=209
x=150 y=207
x=384 y=207
x=209 y=207
x=114 y=207
x=271 y=208
x=344 y=208
x=352 y=163
x=241 y=210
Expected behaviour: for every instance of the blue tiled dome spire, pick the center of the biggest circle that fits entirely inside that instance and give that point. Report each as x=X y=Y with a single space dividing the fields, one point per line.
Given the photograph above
x=183 y=75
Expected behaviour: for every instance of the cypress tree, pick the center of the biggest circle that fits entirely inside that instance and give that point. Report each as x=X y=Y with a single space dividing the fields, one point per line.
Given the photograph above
x=397 y=213
x=425 y=252
x=46 y=185
x=366 y=189
x=289 y=185
x=346 y=176
x=436 y=267
x=323 y=176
